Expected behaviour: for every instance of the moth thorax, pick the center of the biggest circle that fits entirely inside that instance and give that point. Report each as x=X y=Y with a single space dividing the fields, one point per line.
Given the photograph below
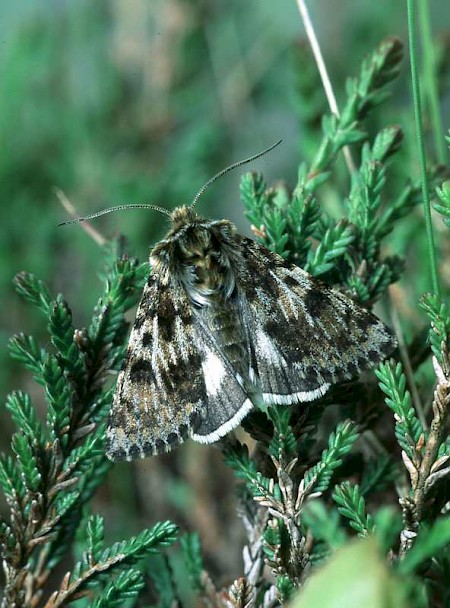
x=204 y=269
x=207 y=281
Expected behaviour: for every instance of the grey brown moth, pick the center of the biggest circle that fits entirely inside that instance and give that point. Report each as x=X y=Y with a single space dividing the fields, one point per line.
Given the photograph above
x=225 y=324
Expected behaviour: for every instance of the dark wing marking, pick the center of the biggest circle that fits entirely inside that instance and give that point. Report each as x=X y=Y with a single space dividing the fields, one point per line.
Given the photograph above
x=228 y=401
x=160 y=391
x=305 y=335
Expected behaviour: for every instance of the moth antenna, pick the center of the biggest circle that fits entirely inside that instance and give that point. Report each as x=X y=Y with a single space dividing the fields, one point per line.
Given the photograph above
x=230 y=168
x=117 y=208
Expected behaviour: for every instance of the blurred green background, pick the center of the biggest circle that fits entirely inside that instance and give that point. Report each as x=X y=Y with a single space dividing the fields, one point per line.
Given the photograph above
x=132 y=101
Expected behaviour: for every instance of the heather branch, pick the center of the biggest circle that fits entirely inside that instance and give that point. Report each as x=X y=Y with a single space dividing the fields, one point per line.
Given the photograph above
x=122 y=554
x=436 y=435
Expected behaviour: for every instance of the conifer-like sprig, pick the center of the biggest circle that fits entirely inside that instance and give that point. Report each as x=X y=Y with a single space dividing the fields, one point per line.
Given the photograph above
x=324 y=524
x=424 y=450
x=408 y=429
x=443 y=207
x=200 y=580
x=191 y=550
x=364 y=93
x=439 y=334
x=317 y=479
x=345 y=250
x=285 y=495
x=378 y=473
x=298 y=505
x=351 y=505
x=97 y=565
x=59 y=463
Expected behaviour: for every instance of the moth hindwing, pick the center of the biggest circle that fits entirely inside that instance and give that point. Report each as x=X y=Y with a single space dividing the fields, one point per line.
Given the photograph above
x=225 y=324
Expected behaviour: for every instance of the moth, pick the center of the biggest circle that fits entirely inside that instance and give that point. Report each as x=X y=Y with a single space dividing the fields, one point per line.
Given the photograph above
x=225 y=325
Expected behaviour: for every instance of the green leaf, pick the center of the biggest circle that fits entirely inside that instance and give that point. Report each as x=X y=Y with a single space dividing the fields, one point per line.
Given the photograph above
x=444 y=196
x=383 y=274
x=388 y=524
x=88 y=573
x=283 y=445
x=377 y=70
x=286 y=589
x=324 y=523
x=59 y=398
x=387 y=142
x=253 y=195
x=357 y=575
x=108 y=326
x=275 y=225
x=276 y=540
x=439 y=335
x=302 y=216
x=162 y=574
x=378 y=472
x=260 y=486
x=10 y=479
x=334 y=245
x=95 y=533
x=62 y=335
x=130 y=551
x=82 y=457
x=192 y=555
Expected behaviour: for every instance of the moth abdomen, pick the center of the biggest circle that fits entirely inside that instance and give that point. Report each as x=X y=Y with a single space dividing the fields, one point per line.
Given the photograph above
x=226 y=328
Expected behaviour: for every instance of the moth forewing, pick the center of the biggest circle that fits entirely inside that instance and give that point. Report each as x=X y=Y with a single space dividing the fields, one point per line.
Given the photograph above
x=306 y=335
x=160 y=389
x=224 y=324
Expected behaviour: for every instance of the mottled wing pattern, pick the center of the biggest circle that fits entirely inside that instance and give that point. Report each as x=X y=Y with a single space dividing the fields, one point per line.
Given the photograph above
x=160 y=391
x=227 y=399
x=305 y=335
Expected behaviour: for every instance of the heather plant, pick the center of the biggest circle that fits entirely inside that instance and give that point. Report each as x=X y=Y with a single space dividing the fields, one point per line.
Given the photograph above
x=349 y=491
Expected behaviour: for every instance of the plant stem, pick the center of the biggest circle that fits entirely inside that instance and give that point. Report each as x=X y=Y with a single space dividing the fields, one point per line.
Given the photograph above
x=430 y=80
x=409 y=372
x=86 y=226
x=420 y=144
x=435 y=438
x=315 y=47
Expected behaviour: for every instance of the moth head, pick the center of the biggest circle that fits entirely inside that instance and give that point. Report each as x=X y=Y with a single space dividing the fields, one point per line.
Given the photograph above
x=197 y=254
x=181 y=217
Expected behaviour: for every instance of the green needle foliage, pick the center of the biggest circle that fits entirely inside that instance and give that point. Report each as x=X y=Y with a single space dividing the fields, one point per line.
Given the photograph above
x=191 y=549
x=443 y=206
x=369 y=459
x=347 y=249
x=408 y=429
x=59 y=463
x=351 y=505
